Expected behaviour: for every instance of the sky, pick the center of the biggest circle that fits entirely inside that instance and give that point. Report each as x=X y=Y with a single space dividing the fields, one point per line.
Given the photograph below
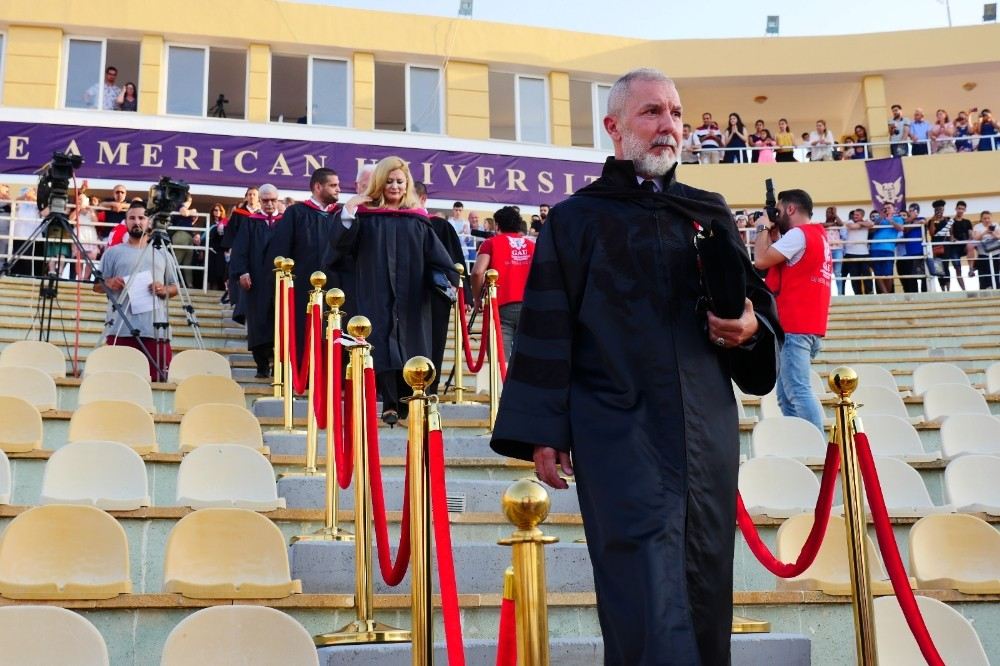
x=672 y=19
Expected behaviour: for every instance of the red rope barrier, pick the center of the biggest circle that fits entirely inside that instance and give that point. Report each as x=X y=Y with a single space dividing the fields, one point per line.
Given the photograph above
x=821 y=517
x=392 y=573
x=498 y=331
x=300 y=374
x=319 y=399
x=343 y=440
x=507 y=635
x=890 y=554
x=466 y=344
x=445 y=555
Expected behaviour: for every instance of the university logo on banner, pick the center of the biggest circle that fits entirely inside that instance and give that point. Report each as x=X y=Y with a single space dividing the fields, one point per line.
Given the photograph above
x=887 y=183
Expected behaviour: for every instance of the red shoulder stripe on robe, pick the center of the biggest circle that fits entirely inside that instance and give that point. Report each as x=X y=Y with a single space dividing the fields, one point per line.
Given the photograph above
x=419 y=212
x=332 y=208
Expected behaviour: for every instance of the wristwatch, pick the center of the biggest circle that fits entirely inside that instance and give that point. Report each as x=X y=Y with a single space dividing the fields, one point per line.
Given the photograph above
x=760 y=228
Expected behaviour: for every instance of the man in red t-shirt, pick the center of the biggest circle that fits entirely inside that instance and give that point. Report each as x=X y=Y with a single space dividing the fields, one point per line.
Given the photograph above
x=509 y=253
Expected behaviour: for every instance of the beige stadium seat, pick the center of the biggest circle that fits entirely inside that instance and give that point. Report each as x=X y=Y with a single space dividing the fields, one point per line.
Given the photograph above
x=5 y=479
x=880 y=400
x=970 y=433
x=112 y=358
x=927 y=375
x=20 y=425
x=31 y=384
x=108 y=475
x=227 y=554
x=769 y=407
x=788 y=437
x=875 y=375
x=44 y=356
x=970 y=483
x=904 y=491
x=894 y=437
x=819 y=386
x=64 y=552
x=48 y=635
x=200 y=389
x=198 y=362
x=244 y=635
x=777 y=487
x=215 y=423
x=944 y=400
x=993 y=379
x=117 y=385
x=114 y=421
x=953 y=635
x=227 y=475
x=829 y=572
x=955 y=552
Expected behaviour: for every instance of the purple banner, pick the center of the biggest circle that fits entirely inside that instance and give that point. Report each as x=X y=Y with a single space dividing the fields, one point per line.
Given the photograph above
x=213 y=159
x=887 y=183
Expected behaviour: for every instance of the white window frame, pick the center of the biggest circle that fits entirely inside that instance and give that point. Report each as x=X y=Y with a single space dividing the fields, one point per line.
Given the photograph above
x=598 y=113
x=349 y=98
x=441 y=99
x=3 y=60
x=204 y=93
x=63 y=88
x=517 y=107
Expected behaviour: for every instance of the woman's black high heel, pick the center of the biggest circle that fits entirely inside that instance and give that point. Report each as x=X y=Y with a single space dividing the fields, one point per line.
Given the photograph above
x=390 y=417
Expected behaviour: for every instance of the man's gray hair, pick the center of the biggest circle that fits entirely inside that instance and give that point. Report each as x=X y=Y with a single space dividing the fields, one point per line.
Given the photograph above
x=367 y=167
x=267 y=188
x=620 y=90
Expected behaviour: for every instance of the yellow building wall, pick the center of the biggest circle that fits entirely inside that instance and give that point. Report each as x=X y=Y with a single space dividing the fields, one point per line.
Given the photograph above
x=151 y=77
x=467 y=100
x=34 y=61
x=876 y=113
x=364 y=91
x=259 y=83
x=562 y=134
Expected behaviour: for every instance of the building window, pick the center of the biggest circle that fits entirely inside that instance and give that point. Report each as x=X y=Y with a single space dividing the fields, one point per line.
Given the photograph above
x=329 y=87
x=390 y=96
x=602 y=139
x=289 y=89
x=581 y=113
x=227 y=80
x=502 y=106
x=186 y=78
x=86 y=71
x=408 y=98
x=519 y=108
x=204 y=81
x=424 y=100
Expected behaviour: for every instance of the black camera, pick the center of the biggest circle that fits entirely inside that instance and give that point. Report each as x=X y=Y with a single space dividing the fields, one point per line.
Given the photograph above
x=165 y=198
x=53 y=184
x=770 y=203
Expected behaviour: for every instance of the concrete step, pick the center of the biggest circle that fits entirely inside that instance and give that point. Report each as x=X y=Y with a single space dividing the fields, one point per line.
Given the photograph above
x=458 y=443
x=273 y=407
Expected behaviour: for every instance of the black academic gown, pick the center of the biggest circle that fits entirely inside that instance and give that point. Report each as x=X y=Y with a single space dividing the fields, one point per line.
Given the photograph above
x=613 y=362
x=229 y=235
x=441 y=308
x=252 y=254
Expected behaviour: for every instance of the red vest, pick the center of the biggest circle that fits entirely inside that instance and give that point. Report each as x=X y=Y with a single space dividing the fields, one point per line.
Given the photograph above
x=803 y=290
x=510 y=255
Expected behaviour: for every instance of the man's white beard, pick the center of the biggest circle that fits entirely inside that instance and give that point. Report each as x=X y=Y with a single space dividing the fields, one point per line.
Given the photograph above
x=646 y=163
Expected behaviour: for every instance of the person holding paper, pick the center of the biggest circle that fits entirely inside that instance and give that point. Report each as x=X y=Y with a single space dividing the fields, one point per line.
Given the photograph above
x=139 y=279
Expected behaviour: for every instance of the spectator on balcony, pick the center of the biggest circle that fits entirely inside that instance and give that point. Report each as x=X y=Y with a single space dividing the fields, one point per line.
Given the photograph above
x=856 y=253
x=821 y=143
x=861 y=150
x=690 y=146
x=735 y=139
x=764 y=144
x=114 y=210
x=457 y=221
x=919 y=133
x=104 y=93
x=84 y=220
x=987 y=238
x=910 y=264
x=836 y=234
x=986 y=128
x=939 y=230
x=127 y=99
x=710 y=139
x=886 y=230
x=899 y=132
x=941 y=133
x=961 y=234
x=786 y=142
x=182 y=237
x=752 y=140
x=962 y=129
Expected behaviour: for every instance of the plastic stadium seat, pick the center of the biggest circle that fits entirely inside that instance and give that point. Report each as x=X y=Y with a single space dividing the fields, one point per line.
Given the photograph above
x=955 y=552
x=943 y=400
x=993 y=379
x=904 y=491
x=198 y=362
x=108 y=475
x=970 y=433
x=875 y=375
x=227 y=475
x=20 y=425
x=5 y=480
x=227 y=554
x=819 y=386
x=880 y=400
x=894 y=437
x=64 y=552
x=953 y=635
x=927 y=375
x=114 y=421
x=200 y=389
x=789 y=437
x=216 y=423
x=970 y=483
x=769 y=407
x=34 y=385
x=46 y=635
x=777 y=487
x=111 y=358
x=117 y=385
x=830 y=572
x=44 y=356
x=244 y=635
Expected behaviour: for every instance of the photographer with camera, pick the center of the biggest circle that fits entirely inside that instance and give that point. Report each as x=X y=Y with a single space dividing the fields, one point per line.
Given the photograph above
x=796 y=254
x=987 y=239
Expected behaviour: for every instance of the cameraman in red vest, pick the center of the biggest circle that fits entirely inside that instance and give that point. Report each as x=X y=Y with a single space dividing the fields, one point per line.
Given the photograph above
x=799 y=266
x=509 y=253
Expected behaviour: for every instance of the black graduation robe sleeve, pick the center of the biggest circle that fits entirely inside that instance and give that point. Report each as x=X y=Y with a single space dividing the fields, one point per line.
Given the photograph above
x=239 y=256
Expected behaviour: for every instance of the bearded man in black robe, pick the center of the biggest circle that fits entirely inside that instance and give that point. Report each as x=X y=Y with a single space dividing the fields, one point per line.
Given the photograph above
x=616 y=365
x=237 y=218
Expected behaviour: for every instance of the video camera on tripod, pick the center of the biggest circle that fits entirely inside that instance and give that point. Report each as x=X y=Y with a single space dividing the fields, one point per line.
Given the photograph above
x=165 y=198
x=53 y=183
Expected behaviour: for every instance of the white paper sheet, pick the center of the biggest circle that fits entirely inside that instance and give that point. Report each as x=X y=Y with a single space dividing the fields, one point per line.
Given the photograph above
x=140 y=293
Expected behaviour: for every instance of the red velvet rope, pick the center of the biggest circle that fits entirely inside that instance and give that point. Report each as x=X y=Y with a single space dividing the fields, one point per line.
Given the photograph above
x=341 y=417
x=821 y=517
x=392 y=573
x=299 y=374
x=476 y=366
x=890 y=554
x=445 y=555
x=501 y=354
x=319 y=399
x=507 y=635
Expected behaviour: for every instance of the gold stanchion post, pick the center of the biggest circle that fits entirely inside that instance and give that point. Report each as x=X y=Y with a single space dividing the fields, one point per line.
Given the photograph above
x=459 y=343
x=526 y=505
x=364 y=629
x=843 y=381
x=491 y=294
x=276 y=372
x=318 y=281
x=287 y=266
x=418 y=373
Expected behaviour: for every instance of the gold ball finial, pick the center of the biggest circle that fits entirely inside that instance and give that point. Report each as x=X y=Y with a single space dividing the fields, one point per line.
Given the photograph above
x=278 y=262
x=525 y=503
x=419 y=372
x=460 y=268
x=317 y=279
x=287 y=264
x=335 y=298
x=359 y=326
x=492 y=276
x=843 y=381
